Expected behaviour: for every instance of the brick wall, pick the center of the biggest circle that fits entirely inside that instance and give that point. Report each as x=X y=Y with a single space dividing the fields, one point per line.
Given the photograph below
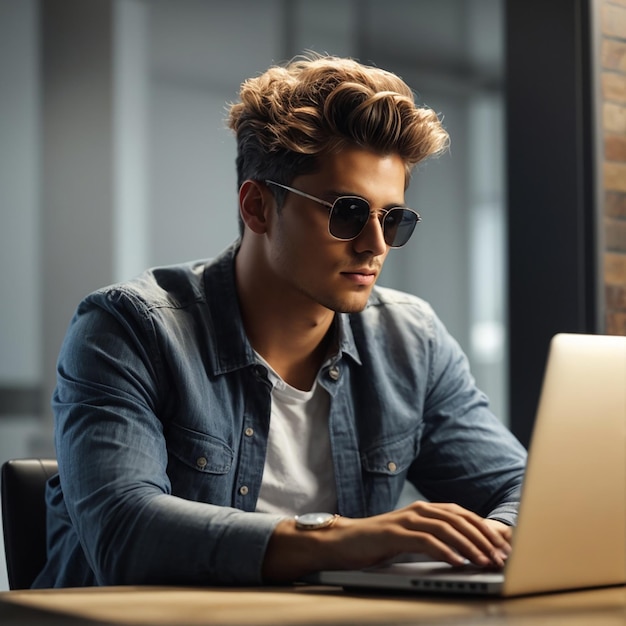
x=613 y=111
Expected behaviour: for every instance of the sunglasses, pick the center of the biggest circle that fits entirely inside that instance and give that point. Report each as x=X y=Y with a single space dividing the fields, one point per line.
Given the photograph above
x=348 y=216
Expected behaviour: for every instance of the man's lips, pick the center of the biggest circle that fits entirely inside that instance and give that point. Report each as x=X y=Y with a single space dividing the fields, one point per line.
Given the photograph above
x=363 y=276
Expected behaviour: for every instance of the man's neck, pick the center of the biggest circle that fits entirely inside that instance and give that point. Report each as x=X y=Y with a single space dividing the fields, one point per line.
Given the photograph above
x=297 y=362
x=292 y=336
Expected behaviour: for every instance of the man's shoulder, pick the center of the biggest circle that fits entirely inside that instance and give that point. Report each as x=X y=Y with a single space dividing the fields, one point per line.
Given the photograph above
x=393 y=301
x=173 y=286
x=390 y=312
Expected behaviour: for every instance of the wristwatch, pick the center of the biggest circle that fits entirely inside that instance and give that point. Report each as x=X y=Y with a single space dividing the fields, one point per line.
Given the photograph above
x=315 y=521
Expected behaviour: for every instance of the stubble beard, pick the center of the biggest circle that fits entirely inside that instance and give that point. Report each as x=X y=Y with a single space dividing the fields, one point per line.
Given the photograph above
x=343 y=304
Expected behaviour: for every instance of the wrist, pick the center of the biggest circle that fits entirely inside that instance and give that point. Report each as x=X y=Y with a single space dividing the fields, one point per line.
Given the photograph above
x=293 y=552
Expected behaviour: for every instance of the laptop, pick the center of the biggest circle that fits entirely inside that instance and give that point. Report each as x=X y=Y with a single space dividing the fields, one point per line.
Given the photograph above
x=571 y=531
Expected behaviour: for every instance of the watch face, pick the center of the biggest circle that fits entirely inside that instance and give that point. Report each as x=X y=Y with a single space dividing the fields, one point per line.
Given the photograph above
x=313 y=521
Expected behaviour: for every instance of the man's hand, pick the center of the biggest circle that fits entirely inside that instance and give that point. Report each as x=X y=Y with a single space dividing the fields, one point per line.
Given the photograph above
x=445 y=532
x=502 y=528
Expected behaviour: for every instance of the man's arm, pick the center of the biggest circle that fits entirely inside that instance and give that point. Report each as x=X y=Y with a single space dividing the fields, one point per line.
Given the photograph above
x=445 y=532
x=113 y=462
x=467 y=455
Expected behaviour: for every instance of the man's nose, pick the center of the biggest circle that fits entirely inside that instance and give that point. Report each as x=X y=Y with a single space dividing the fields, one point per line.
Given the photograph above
x=372 y=239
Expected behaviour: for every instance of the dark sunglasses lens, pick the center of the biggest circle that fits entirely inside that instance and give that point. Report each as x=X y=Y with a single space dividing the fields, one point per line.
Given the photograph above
x=398 y=226
x=348 y=217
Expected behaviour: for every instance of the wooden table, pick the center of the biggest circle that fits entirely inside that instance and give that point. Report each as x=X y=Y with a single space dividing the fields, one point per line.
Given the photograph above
x=301 y=606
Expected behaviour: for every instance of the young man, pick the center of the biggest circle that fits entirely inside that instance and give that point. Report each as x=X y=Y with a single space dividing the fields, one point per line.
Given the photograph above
x=201 y=408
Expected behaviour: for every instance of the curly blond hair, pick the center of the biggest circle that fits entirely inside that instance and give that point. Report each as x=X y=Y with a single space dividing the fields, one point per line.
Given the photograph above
x=291 y=115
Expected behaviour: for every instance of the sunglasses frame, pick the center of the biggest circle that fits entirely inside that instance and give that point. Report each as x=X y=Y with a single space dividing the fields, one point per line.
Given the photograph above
x=331 y=205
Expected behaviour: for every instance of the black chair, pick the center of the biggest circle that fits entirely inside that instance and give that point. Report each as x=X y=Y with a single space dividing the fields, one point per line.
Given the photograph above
x=24 y=517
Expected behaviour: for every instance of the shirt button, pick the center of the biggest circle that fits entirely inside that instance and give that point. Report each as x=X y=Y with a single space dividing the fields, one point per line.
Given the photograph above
x=201 y=462
x=243 y=490
x=391 y=466
x=333 y=372
x=249 y=432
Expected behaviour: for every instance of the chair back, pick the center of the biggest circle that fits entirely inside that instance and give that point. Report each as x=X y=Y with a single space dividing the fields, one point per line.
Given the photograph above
x=24 y=517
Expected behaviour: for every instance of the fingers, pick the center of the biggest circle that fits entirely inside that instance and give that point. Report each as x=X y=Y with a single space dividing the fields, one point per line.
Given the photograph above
x=460 y=530
x=428 y=544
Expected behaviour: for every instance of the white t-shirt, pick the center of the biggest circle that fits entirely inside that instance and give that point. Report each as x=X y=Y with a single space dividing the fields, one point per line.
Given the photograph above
x=298 y=476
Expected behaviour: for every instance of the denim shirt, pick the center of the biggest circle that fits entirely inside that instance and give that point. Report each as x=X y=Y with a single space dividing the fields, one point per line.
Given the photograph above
x=162 y=416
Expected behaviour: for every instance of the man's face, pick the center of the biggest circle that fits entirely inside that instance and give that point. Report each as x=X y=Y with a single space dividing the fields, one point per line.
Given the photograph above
x=312 y=265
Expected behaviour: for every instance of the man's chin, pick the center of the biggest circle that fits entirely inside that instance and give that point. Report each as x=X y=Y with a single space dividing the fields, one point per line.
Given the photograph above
x=351 y=301
x=355 y=305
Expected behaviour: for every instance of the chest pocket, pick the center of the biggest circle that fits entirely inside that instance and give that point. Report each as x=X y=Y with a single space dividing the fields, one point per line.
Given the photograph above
x=199 y=466
x=384 y=471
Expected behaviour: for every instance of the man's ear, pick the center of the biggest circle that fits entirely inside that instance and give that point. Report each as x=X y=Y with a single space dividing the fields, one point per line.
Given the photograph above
x=255 y=201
